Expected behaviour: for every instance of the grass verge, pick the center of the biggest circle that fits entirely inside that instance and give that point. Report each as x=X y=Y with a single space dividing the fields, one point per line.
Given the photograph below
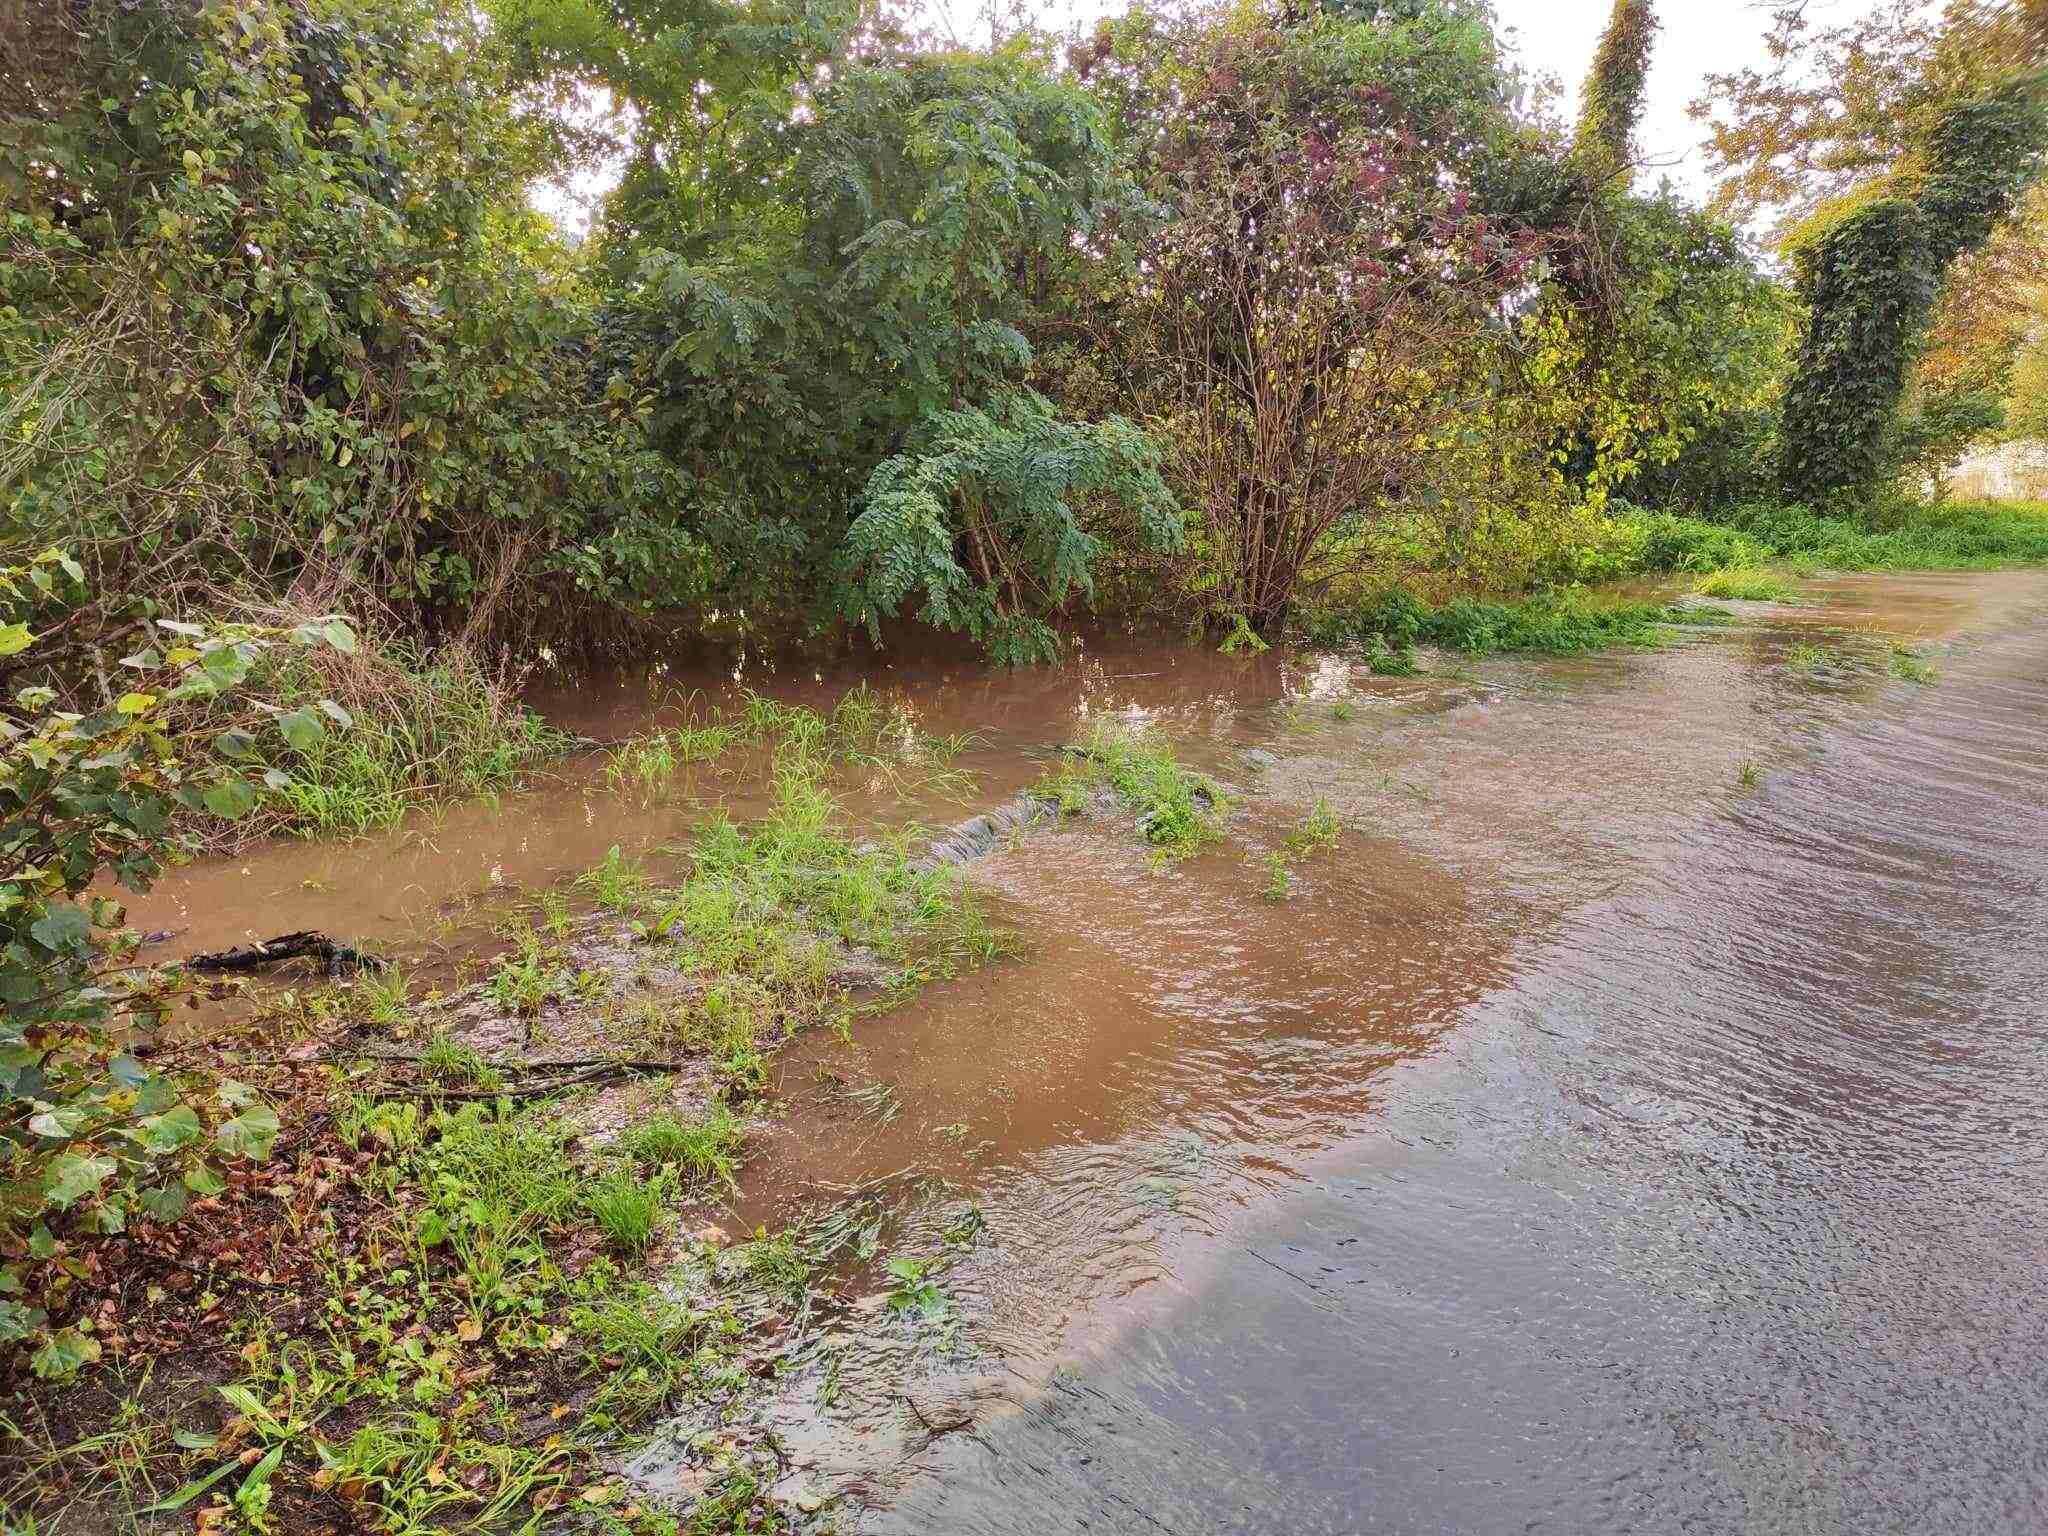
x=1559 y=623
x=467 y=1276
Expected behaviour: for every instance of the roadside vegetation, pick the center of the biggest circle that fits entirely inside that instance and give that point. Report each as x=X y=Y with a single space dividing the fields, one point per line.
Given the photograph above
x=443 y=1283
x=1265 y=322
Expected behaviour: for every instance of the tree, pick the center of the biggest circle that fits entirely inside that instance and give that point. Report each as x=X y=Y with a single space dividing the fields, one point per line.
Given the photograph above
x=274 y=313
x=1870 y=280
x=824 y=259
x=1344 y=212
x=1907 y=136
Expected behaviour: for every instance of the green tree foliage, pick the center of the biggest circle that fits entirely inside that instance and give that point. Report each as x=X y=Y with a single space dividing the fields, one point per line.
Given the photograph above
x=1344 y=206
x=997 y=486
x=1690 y=343
x=824 y=256
x=273 y=311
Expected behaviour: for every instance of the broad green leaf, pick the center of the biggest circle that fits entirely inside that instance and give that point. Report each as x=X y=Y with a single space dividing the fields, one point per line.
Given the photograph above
x=203 y=1181
x=223 y=666
x=340 y=636
x=302 y=728
x=165 y=1204
x=60 y=1123
x=261 y=1472
x=249 y=1134
x=64 y=1354
x=74 y=1176
x=14 y=638
x=172 y=1129
x=230 y=798
x=136 y=703
x=62 y=927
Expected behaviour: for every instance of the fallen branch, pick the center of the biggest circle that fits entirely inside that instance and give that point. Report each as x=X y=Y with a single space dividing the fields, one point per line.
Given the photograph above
x=309 y=945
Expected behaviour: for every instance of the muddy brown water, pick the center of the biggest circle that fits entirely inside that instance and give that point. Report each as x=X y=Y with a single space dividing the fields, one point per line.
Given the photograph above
x=1588 y=1143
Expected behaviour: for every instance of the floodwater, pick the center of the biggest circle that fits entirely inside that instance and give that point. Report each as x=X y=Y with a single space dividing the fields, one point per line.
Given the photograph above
x=1590 y=1142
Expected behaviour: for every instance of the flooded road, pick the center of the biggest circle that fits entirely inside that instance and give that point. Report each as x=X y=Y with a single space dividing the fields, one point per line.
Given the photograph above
x=1635 y=1122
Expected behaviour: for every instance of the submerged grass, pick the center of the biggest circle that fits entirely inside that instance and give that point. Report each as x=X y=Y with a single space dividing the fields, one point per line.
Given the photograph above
x=1753 y=585
x=1909 y=666
x=701 y=1152
x=1179 y=811
x=766 y=928
x=419 y=730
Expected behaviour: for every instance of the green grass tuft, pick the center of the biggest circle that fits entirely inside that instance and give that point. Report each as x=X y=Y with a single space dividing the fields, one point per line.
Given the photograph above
x=700 y=1151
x=626 y=1208
x=1909 y=666
x=1179 y=810
x=1747 y=586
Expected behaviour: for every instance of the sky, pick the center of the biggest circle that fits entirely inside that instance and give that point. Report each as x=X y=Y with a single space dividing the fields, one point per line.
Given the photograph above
x=1557 y=37
x=1698 y=38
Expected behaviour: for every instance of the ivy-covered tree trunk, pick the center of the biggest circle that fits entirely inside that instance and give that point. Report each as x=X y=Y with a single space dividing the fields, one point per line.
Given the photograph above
x=1604 y=144
x=1871 y=288
x=1872 y=282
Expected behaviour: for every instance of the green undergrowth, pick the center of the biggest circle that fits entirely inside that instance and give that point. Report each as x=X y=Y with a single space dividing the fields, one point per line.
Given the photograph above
x=769 y=912
x=474 y=1336
x=1179 y=811
x=1560 y=623
x=418 y=730
x=1747 y=585
x=862 y=730
x=748 y=932
x=1909 y=666
x=1902 y=536
x=1317 y=833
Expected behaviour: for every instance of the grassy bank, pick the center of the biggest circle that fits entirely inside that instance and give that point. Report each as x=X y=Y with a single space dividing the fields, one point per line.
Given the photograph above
x=418 y=728
x=1904 y=536
x=1561 y=623
x=482 y=1256
x=1753 y=554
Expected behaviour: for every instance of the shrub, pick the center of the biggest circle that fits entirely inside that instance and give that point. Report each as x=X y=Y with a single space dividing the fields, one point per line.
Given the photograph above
x=94 y=1139
x=274 y=314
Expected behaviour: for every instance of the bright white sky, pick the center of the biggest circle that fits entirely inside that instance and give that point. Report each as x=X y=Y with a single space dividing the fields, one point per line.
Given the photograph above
x=1698 y=38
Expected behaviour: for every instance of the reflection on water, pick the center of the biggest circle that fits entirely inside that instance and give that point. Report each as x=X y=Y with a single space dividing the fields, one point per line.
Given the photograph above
x=1589 y=1144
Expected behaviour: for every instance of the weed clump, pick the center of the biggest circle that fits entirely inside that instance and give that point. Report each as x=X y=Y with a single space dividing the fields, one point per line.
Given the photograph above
x=700 y=1151
x=627 y=1208
x=1179 y=811
x=420 y=728
x=1746 y=585
x=1907 y=665
x=1566 y=623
